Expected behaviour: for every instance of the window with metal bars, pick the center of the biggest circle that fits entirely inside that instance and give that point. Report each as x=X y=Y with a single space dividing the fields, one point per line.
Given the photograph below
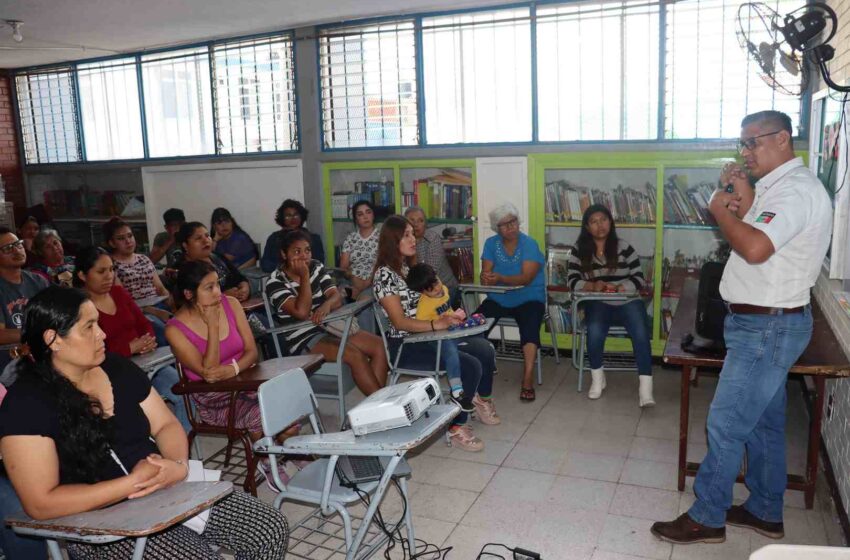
x=368 y=85
x=109 y=109
x=597 y=71
x=178 y=102
x=711 y=84
x=48 y=116
x=477 y=71
x=255 y=95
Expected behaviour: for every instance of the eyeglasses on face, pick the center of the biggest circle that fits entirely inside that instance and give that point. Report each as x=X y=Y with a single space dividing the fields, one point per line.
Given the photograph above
x=750 y=143
x=512 y=223
x=10 y=248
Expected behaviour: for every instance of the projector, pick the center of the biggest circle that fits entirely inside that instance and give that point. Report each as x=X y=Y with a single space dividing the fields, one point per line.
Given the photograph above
x=393 y=407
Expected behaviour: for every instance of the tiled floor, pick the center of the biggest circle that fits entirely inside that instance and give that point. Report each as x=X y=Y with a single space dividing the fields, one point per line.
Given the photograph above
x=572 y=478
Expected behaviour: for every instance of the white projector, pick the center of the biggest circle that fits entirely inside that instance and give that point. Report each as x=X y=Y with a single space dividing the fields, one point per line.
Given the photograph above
x=393 y=407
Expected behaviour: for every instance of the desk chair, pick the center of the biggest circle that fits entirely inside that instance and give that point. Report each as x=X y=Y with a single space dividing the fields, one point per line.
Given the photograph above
x=285 y=400
x=610 y=361
x=333 y=380
x=186 y=387
x=137 y=519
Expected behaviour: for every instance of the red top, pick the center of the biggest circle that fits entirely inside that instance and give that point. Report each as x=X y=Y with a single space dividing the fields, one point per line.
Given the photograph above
x=126 y=324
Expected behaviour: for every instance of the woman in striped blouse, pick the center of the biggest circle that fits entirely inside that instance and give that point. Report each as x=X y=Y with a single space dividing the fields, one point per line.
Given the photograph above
x=601 y=262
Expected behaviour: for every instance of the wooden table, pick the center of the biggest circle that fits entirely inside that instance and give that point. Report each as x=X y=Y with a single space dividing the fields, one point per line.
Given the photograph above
x=822 y=359
x=254 y=376
x=252 y=303
x=137 y=518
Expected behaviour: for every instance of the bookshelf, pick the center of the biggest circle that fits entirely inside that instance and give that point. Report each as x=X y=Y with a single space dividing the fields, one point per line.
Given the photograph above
x=444 y=189
x=658 y=200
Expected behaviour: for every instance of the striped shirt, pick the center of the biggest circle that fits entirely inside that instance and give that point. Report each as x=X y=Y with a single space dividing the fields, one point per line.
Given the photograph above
x=280 y=289
x=628 y=272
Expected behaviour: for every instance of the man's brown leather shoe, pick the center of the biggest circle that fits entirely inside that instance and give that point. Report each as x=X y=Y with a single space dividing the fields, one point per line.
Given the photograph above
x=740 y=517
x=684 y=530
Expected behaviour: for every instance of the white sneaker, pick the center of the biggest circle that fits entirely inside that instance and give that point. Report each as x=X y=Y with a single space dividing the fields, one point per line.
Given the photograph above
x=645 y=391
x=597 y=383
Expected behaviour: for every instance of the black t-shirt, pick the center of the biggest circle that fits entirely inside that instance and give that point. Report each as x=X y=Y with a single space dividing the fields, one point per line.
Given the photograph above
x=27 y=410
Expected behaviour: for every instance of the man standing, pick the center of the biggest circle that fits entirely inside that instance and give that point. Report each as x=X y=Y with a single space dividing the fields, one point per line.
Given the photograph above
x=779 y=235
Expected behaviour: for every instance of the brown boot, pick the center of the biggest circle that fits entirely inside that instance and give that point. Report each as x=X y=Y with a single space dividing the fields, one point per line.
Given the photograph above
x=684 y=530
x=740 y=517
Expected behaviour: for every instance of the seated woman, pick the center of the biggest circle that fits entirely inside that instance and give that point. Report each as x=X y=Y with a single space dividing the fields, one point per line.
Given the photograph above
x=50 y=259
x=360 y=248
x=231 y=241
x=291 y=215
x=128 y=332
x=82 y=429
x=302 y=289
x=134 y=271
x=511 y=258
x=396 y=251
x=197 y=246
x=602 y=262
x=201 y=310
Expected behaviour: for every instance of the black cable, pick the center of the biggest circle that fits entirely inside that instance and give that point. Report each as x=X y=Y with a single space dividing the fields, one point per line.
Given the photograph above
x=482 y=553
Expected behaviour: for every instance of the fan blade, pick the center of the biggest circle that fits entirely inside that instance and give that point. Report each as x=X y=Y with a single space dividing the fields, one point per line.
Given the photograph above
x=789 y=62
x=767 y=53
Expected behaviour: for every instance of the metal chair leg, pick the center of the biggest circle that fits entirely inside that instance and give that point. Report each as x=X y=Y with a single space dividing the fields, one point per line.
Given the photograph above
x=554 y=340
x=539 y=366
x=581 y=339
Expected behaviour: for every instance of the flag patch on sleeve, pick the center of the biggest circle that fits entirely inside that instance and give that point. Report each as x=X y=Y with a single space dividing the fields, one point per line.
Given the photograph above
x=765 y=217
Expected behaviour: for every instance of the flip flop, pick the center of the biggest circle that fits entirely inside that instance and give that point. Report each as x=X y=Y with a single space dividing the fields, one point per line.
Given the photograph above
x=527 y=395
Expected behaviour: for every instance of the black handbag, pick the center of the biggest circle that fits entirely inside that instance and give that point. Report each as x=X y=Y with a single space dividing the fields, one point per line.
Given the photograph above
x=711 y=309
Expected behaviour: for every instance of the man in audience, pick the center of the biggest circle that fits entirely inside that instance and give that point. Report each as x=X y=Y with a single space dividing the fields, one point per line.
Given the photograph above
x=164 y=244
x=779 y=233
x=17 y=286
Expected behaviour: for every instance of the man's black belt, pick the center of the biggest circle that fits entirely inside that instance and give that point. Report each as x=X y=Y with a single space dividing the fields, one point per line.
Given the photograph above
x=747 y=309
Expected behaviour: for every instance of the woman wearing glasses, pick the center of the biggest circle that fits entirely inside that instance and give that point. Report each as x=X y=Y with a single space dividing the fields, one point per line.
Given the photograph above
x=290 y=216
x=511 y=258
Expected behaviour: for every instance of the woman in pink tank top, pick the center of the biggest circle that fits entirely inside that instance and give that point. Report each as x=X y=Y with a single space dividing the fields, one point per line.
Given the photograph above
x=212 y=340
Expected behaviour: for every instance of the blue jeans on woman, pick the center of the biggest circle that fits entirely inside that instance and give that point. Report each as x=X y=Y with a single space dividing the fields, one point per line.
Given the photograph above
x=163 y=380
x=477 y=358
x=600 y=316
x=14 y=546
x=748 y=412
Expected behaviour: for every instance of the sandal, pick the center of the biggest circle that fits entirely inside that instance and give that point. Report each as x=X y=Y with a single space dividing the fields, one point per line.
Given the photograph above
x=527 y=395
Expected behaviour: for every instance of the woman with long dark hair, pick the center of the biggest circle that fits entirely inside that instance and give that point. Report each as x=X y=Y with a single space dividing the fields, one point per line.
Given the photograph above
x=290 y=215
x=231 y=241
x=602 y=262
x=360 y=248
x=396 y=252
x=197 y=246
x=82 y=429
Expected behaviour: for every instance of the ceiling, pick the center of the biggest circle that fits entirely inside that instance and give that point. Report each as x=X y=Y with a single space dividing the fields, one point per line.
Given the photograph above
x=79 y=29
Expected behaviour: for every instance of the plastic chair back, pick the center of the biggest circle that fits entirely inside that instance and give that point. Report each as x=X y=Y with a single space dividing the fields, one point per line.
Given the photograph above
x=286 y=399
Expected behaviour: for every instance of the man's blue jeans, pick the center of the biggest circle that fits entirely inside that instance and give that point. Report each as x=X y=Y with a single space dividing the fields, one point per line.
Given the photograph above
x=598 y=318
x=748 y=412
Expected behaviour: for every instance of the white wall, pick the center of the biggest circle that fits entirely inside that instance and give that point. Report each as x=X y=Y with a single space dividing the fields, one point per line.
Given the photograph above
x=252 y=191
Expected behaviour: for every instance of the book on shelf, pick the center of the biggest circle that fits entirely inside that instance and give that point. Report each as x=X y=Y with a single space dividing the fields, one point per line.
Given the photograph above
x=447 y=195
x=687 y=204
x=560 y=314
x=460 y=260
x=380 y=193
x=567 y=202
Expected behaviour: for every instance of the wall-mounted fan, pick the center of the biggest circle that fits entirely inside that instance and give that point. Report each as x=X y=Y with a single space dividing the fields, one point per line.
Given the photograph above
x=780 y=44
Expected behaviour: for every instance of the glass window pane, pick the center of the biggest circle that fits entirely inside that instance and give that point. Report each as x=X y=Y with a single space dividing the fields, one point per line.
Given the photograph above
x=597 y=71
x=710 y=82
x=477 y=69
x=109 y=106
x=47 y=105
x=178 y=102
x=255 y=95
x=368 y=84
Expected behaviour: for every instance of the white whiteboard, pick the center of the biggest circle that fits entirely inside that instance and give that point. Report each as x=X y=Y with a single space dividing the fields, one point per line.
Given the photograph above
x=252 y=191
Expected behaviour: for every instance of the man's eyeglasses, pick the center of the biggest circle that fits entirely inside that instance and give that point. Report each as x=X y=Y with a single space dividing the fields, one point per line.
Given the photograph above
x=10 y=248
x=750 y=143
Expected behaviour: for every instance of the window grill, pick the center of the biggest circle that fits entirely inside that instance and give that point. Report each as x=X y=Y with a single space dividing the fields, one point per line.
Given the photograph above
x=48 y=116
x=255 y=95
x=368 y=85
